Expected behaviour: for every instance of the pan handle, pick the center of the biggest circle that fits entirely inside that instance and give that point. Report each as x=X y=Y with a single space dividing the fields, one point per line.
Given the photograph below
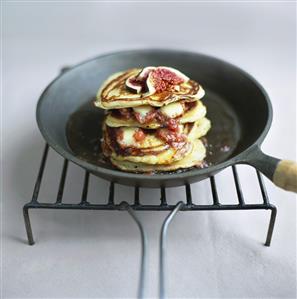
x=283 y=173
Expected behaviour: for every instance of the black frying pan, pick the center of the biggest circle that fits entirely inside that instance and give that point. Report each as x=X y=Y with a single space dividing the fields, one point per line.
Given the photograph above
x=238 y=107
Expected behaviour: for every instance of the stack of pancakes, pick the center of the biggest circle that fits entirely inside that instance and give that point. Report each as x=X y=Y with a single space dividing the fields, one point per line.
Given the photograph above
x=154 y=120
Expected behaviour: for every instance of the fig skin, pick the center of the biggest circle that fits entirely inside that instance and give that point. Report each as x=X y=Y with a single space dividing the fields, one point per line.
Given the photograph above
x=145 y=72
x=134 y=85
x=137 y=83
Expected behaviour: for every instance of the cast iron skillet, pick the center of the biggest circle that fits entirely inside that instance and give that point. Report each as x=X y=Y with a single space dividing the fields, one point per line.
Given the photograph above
x=239 y=108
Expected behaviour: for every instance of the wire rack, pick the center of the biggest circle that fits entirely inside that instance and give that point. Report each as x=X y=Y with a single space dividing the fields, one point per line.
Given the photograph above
x=110 y=204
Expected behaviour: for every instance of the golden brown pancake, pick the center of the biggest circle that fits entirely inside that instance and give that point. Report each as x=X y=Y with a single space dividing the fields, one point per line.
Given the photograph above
x=196 y=112
x=120 y=144
x=114 y=93
x=151 y=150
x=194 y=158
x=154 y=120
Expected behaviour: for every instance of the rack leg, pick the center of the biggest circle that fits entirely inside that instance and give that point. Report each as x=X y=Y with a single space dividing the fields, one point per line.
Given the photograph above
x=271 y=226
x=28 y=226
x=163 y=247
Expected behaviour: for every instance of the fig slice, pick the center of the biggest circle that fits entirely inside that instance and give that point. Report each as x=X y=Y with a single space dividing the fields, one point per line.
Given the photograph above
x=137 y=83
x=145 y=72
x=163 y=78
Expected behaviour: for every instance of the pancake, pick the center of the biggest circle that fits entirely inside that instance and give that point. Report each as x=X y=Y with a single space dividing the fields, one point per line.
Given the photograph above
x=120 y=143
x=167 y=156
x=114 y=93
x=197 y=129
x=154 y=120
x=194 y=158
x=196 y=111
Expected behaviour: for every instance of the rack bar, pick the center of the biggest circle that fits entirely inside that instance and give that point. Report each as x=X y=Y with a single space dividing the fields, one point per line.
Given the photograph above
x=136 y=196
x=214 y=191
x=40 y=173
x=85 y=189
x=111 y=194
x=221 y=207
x=262 y=187
x=62 y=182
x=163 y=197
x=189 y=195
x=237 y=185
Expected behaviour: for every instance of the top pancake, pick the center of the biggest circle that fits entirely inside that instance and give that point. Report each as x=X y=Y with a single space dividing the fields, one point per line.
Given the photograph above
x=114 y=94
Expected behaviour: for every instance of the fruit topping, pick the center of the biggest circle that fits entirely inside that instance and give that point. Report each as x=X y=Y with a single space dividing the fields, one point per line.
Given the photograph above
x=164 y=78
x=156 y=79
x=139 y=135
x=173 y=138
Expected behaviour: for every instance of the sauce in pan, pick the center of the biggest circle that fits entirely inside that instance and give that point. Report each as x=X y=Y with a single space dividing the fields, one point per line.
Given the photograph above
x=84 y=133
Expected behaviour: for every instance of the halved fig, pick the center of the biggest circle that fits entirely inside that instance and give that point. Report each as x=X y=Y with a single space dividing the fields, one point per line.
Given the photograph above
x=163 y=78
x=137 y=83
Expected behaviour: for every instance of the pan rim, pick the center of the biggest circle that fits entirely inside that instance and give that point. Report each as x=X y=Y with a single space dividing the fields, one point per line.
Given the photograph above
x=156 y=177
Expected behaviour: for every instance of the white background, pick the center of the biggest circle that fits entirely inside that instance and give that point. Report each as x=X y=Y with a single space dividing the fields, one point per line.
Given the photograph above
x=96 y=254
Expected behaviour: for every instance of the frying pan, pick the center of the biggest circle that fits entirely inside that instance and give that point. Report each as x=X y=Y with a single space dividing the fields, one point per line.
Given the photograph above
x=237 y=105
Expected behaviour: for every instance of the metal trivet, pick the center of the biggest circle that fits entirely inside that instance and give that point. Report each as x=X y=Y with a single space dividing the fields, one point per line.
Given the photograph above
x=163 y=206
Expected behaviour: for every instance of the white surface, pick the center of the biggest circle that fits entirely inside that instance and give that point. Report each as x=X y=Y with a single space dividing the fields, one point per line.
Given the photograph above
x=96 y=254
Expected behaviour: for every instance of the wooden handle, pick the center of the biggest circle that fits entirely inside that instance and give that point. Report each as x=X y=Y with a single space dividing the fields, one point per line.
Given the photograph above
x=285 y=175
